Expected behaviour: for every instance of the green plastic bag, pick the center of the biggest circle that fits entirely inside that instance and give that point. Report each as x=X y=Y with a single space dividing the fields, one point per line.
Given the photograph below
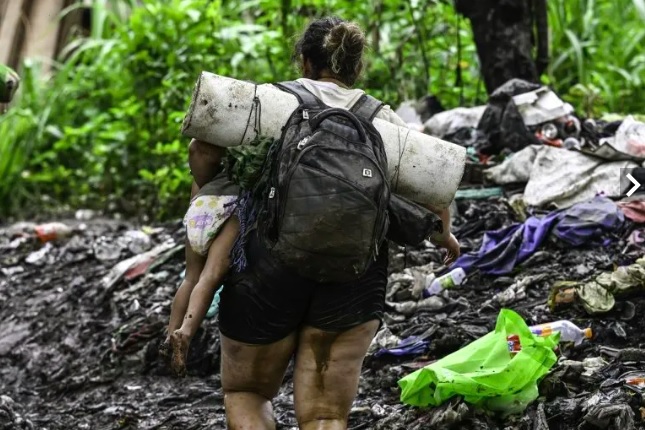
x=484 y=372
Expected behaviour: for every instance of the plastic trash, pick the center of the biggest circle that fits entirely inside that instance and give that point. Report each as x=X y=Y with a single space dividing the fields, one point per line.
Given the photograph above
x=540 y=106
x=106 y=250
x=569 y=332
x=598 y=296
x=484 y=373
x=134 y=266
x=572 y=143
x=630 y=137
x=38 y=257
x=52 y=231
x=137 y=241
x=450 y=121
x=479 y=193
x=447 y=281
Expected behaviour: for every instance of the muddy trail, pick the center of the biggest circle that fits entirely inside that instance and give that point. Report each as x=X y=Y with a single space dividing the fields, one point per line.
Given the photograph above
x=79 y=342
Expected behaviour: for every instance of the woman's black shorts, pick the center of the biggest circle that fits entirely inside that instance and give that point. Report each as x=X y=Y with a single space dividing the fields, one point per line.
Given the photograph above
x=265 y=303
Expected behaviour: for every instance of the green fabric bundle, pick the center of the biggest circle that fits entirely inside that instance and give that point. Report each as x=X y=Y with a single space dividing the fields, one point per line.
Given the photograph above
x=245 y=163
x=484 y=372
x=9 y=82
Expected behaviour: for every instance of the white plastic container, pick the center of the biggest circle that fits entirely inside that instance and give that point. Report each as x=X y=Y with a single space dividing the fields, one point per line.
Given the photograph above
x=449 y=280
x=421 y=167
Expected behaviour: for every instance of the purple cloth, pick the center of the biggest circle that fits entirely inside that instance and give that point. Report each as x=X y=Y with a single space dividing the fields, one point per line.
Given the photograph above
x=414 y=345
x=503 y=249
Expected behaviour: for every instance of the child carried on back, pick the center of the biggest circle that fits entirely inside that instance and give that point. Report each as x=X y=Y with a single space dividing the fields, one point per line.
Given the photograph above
x=211 y=229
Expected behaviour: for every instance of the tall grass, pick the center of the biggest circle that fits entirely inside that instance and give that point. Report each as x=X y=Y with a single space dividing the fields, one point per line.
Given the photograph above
x=103 y=130
x=598 y=51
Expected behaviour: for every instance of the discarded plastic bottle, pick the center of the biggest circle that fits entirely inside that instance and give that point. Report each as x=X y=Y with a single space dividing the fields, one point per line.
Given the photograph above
x=549 y=131
x=447 y=281
x=52 y=231
x=572 y=143
x=569 y=332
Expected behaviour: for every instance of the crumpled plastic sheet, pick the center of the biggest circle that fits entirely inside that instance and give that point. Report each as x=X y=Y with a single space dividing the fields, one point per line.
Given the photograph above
x=450 y=121
x=559 y=176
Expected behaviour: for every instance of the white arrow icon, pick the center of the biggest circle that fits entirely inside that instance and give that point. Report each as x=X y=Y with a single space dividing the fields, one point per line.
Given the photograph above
x=633 y=181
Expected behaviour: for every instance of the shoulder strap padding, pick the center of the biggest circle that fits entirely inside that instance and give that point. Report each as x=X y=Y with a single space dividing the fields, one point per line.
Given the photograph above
x=305 y=97
x=367 y=107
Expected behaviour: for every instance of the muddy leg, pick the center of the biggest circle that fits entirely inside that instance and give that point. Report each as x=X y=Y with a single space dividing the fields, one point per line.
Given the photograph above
x=328 y=367
x=251 y=378
x=194 y=266
x=217 y=265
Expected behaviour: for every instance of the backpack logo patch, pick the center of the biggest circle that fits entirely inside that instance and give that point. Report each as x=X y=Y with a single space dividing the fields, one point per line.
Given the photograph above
x=367 y=173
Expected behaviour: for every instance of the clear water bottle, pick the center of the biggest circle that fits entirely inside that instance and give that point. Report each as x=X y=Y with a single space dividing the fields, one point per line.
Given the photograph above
x=435 y=286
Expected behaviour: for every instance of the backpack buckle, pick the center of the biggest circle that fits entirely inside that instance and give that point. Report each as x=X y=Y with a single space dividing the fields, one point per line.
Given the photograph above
x=302 y=143
x=305 y=114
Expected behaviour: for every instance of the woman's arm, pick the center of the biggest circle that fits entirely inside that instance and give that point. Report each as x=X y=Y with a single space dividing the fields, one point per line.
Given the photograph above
x=445 y=239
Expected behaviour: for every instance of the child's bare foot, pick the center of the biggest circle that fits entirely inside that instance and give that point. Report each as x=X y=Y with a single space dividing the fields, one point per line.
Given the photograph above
x=179 y=344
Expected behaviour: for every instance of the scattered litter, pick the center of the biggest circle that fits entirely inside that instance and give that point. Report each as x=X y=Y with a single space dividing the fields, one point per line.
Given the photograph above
x=479 y=193
x=448 y=281
x=630 y=137
x=52 y=231
x=484 y=373
x=598 y=296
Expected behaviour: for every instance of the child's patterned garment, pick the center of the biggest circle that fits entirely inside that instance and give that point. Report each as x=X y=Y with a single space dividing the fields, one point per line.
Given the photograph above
x=208 y=211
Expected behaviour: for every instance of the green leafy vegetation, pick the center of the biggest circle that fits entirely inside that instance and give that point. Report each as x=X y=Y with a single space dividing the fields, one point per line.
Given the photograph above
x=103 y=130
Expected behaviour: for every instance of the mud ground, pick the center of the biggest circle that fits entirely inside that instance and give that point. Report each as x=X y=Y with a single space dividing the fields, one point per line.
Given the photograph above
x=77 y=354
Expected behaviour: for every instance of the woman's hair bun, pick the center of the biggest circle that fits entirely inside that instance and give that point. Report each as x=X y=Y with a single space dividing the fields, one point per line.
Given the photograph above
x=345 y=44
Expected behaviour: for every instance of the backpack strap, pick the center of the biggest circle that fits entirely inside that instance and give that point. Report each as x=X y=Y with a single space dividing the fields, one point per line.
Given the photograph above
x=305 y=97
x=367 y=107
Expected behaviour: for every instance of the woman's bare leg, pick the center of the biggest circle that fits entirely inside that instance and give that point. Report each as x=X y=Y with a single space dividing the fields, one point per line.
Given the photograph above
x=216 y=267
x=328 y=367
x=251 y=378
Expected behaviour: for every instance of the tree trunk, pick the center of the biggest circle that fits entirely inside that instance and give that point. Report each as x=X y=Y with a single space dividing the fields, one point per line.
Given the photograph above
x=504 y=35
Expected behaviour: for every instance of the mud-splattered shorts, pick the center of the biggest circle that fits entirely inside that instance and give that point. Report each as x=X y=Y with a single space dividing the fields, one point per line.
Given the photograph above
x=265 y=303
x=208 y=211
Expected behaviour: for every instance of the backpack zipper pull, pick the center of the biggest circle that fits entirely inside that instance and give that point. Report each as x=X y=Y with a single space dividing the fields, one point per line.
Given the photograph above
x=302 y=143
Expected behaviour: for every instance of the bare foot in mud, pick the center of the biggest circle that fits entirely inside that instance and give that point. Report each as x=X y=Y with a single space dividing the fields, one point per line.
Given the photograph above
x=179 y=344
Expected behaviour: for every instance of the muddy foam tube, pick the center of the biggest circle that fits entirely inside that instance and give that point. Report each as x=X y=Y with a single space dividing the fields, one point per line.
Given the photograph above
x=222 y=112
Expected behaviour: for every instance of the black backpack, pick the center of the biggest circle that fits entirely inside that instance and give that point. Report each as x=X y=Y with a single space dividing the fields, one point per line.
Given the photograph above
x=325 y=206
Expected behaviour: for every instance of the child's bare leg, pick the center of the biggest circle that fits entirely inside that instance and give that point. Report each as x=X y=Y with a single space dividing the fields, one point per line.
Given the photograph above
x=217 y=265
x=194 y=266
